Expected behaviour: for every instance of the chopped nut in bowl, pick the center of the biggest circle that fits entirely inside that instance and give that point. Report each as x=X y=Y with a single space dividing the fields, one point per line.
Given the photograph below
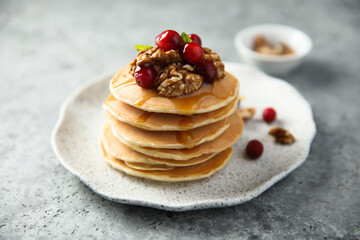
x=268 y=53
x=262 y=45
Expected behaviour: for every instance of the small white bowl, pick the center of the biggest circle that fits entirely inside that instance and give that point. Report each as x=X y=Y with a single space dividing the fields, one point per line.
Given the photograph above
x=299 y=41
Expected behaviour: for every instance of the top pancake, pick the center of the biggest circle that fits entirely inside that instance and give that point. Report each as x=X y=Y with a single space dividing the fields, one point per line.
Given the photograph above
x=208 y=98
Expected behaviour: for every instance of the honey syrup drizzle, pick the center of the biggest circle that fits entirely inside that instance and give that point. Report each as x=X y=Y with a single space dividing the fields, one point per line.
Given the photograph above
x=207 y=93
x=186 y=121
x=111 y=98
x=143 y=117
x=185 y=138
x=143 y=100
x=127 y=82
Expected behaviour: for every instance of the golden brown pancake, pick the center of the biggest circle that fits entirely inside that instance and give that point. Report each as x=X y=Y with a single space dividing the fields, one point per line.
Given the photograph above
x=220 y=143
x=115 y=148
x=177 y=174
x=172 y=139
x=209 y=97
x=164 y=121
x=149 y=167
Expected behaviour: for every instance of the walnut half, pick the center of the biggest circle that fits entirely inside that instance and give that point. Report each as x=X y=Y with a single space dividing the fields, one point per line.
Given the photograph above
x=282 y=135
x=156 y=56
x=178 y=79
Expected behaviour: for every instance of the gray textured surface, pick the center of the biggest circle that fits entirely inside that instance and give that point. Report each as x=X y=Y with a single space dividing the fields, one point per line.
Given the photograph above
x=49 y=48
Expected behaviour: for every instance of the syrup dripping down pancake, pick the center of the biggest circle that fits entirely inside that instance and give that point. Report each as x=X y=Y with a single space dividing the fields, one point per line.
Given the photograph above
x=116 y=149
x=171 y=139
x=165 y=121
x=220 y=143
x=148 y=167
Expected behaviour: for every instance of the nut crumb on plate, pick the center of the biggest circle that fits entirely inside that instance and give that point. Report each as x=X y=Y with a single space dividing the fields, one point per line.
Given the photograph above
x=247 y=113
x=282 y=135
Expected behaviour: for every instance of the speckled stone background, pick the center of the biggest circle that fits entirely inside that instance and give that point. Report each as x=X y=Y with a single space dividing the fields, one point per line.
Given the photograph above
x=48 y=48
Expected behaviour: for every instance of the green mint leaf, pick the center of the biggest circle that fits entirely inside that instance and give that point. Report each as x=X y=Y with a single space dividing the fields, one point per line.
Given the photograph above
x=142 y=47
x=185 y=38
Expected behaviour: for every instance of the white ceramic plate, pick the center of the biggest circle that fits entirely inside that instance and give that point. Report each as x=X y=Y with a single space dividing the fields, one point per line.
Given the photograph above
x=75 y=139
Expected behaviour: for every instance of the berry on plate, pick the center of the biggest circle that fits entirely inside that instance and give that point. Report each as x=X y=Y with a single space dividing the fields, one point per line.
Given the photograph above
x=254 y=149
x=269 y=115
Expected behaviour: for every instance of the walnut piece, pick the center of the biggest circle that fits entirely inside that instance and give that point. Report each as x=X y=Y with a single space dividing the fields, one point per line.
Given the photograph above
x=156 y=56
x=132 y=67
x=247 y=113
x=262 y=45
x=214 y=57
x=282 y=135
x=178 y=79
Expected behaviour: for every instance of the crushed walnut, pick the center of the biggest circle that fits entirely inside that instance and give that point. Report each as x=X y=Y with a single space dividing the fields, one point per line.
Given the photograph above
x=214 y=57
x=262 y=45
x=247 y=113
x=155 y=56
x=175 y=77
x=282 y=135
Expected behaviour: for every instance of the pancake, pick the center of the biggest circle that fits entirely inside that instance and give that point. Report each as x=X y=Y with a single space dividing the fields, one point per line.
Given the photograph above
x=222 y=142
x=115 y=148
x=177 y=174
x=164 y=121
x=149 y=167
x=183 y=139
x=209 y=97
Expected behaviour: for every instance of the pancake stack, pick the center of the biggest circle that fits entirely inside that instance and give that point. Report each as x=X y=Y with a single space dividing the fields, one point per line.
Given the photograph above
x=173 y=139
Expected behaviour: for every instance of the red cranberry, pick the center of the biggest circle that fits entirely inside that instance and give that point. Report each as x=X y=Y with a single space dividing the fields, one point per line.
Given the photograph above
x=168 y=40
x=254 y=149
x=269 y=115
x=207 y=70
x=181 y=48
x=193 y=53
x=195 y=38
x=145 y=76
